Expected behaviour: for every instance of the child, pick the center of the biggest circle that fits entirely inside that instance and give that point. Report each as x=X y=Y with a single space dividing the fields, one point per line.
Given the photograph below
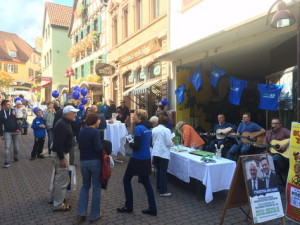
x=20 y=114
x=39 y=130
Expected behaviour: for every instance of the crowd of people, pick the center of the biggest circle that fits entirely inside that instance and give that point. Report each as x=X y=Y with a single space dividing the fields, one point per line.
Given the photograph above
x=69 y=126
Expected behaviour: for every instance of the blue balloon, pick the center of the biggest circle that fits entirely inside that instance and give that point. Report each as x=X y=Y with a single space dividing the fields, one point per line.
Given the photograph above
x=17 y=99
x=81 y=107
x=76 y=94
x=84 y=100
x=77 y=88
x=55 y=93
x=164 y=102
x=84 y=91
x=35 y=110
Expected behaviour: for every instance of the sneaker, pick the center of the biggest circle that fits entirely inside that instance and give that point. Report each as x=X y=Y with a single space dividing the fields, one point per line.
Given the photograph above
x=47 y=155
x=6 y=165
x=32 y=158
x=16 y=159
x=166 y=194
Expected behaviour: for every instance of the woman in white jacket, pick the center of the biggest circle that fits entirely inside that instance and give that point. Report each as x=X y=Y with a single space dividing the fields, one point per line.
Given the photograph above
x=161 y=141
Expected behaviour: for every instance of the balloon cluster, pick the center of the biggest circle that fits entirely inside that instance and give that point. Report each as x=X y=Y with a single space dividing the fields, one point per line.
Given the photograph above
x=55 y=94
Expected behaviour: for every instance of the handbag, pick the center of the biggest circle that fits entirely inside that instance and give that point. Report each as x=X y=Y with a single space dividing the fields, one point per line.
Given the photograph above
x=105 y=170
x=72 y=179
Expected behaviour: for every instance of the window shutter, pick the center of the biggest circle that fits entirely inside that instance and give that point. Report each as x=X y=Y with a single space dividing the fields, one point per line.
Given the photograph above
x=99 y=24
x=84 y=31
x=16 y=68
x=86 y=69
x=104 y=58
x=91 y=25
x=5 y=67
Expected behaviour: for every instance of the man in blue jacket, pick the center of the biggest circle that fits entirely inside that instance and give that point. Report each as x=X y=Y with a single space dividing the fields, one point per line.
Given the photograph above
x=8 y=131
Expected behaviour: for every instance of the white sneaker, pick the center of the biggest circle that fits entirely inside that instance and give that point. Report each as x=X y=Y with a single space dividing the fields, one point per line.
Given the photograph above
x=166 y=194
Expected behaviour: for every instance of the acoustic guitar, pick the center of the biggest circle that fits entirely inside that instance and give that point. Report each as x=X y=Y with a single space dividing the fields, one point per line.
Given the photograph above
x=220 y=133
x=245 y=137
x=274 y=147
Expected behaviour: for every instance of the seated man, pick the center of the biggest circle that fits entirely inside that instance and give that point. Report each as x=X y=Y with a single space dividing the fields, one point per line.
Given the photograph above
x=279 y=133
x=245 y=126
x=222 y=125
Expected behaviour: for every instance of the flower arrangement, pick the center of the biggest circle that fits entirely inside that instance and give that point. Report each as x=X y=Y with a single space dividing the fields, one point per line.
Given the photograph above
x=90 y=78
x=93 y=36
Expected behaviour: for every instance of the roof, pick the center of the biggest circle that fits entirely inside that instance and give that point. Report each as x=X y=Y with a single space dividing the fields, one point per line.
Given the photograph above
x=12 y=42
x=59 y=14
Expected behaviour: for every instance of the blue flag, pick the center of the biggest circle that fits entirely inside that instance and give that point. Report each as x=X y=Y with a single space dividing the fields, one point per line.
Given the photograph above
x=215 y=75
x=196 y=78
x=236 y=88
x=180 y=93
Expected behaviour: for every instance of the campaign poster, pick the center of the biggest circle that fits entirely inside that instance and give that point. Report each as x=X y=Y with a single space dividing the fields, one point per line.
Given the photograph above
x=262 y=187
x=293 y=182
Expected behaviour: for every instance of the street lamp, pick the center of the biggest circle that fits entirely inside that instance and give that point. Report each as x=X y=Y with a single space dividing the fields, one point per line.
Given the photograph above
x=284 y=18
x=69 y=73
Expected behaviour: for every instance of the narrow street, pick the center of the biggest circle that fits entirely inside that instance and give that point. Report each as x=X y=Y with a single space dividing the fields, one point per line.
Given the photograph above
x=24 y=193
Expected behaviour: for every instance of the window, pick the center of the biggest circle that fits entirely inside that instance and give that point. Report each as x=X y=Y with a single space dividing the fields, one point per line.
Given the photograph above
x=92 y=66
x=96 y=25
x=30 y=73
x=12 y=54
x=82 y=70
x=138 y=13
x=76 y=73
x=76 y=38
x=115 y=31
x=155 y=70
x=81 y=35
x=140 y=75
x=154 y=9
x=50 y=56
x=88 y=30
x=128 y=79
x=11 y=68
x=125 y=22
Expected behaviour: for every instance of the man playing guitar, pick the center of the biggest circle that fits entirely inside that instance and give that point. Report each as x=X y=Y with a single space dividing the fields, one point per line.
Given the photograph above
x=222 y=124
x=245 y=126
x=278 y=133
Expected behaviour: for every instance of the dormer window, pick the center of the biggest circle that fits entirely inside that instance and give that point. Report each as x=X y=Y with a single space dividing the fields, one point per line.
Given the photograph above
x=12 y=54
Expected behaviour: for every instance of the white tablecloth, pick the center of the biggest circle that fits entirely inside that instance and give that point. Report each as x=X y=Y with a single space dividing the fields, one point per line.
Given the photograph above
x=215 y=176
x=116 y=134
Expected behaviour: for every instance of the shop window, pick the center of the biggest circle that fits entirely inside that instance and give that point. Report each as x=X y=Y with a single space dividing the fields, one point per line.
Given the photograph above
x=138 y=14
x=115 y=31
x=125 y=22
x=128 y=79
x=155 y=70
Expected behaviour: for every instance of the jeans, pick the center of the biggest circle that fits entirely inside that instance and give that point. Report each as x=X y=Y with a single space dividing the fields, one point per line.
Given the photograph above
x=38 y=146
x=90 y=170
x=161 y=174
x=50 y=139
x=129 y=195
x=8 y=137
x=61 y=181
x=239 y=149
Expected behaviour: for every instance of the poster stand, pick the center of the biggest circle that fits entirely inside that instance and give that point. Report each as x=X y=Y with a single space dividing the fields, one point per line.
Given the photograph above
x=238 y=185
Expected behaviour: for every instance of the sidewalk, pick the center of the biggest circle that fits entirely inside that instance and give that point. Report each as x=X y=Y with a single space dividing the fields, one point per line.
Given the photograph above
x=24 y=191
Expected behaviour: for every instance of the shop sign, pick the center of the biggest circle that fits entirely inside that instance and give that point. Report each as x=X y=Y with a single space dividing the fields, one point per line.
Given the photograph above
x=157 y=70
x=140 y=52
x=103 y=69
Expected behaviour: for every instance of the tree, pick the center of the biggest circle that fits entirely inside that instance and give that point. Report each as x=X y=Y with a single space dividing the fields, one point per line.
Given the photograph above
x=5 y=79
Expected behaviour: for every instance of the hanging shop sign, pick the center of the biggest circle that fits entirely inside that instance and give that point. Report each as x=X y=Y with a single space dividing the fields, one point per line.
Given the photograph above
x=140 y=52
x=103 y=69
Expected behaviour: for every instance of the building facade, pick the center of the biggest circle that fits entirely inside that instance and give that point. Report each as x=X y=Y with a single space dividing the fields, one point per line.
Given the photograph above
x=235 y=36
x=19 y=60
x=88 y=33
x=55 y=45
x=138 y=35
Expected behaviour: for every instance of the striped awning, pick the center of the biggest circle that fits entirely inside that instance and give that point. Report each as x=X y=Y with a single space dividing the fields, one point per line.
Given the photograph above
x=127 y=92
x=153 y=84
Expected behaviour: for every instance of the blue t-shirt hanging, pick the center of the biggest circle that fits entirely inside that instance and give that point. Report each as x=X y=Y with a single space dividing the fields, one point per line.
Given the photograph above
x=269 y=94
x=236 y=89
x=196 y=78
x=180 y=93
x=215 y=75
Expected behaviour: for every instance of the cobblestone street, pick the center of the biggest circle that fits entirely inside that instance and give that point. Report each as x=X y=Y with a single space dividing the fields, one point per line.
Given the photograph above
x=24 y=191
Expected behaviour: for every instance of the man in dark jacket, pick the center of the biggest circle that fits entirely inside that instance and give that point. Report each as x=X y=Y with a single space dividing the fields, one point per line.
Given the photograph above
x=62 y=145
x=9 y=131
